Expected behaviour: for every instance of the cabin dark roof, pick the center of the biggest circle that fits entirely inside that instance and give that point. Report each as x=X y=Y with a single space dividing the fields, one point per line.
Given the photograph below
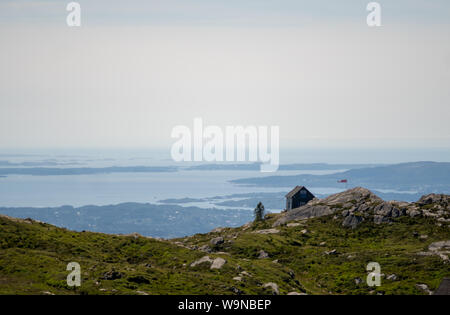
x=294 y=191
x=444 y=288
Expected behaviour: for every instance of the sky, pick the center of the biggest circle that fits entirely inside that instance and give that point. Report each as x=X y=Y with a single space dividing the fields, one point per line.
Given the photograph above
x=136 y=69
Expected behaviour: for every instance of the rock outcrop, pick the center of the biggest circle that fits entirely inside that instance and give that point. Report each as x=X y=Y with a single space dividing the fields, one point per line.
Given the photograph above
x=201 y=261
x=359 y=204
x=352 y=221
x=273 y=287
x=356 y=199
x=267 y=231
x=216 y=263
x=217 y=241
x=441 y=249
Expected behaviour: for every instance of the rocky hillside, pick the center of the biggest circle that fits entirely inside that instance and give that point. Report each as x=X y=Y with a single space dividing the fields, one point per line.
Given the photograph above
x=359 y=204
x=320 y=248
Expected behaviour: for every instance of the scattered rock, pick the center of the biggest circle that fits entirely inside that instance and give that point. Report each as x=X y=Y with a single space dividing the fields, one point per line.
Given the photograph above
x=443 y=257
x=293 y=224
x=352 y=221
x=112 y=275
x=236 y=290
x=392 y=277
x=387 y=210
x=142 y=293
x=246 y=226
x=304 y=231
x=358 y=281
x=441 y=249
x=437 y=246
x=273 y=286
x=424 y=287
x=205 y=248
x=218 y=263
x=263 y=254
x=217 y=240
x=440 y=199
x=245 y=273
x=413 y=213
x=237 y=278
x=423 y=237
x=268 y=231
x=201 y=261
x=296 y=293
x=331 y=252
x=378 y=219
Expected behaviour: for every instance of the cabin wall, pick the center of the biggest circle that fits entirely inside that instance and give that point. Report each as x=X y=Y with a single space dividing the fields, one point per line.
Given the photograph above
x=298 y=200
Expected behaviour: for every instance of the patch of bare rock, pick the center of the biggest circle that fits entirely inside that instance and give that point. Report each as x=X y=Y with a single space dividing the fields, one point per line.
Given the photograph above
x=441 y=249
x=359 y=204
x=216 y=263
x=267 y=231
x=273 y=287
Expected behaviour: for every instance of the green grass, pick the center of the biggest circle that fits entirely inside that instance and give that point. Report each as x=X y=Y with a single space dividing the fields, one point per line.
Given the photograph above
x=34 y=256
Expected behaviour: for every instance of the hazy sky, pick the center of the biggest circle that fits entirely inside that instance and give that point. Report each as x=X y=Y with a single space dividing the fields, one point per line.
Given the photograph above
x=135 y=69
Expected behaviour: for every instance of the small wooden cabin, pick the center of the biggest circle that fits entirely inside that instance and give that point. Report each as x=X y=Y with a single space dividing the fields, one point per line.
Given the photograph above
x=297 y=197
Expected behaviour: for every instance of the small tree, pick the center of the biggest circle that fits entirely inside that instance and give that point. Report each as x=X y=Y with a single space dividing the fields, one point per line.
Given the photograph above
x=259 y=212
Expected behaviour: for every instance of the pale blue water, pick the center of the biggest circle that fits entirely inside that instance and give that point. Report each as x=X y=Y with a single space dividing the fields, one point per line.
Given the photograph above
x=104 y=189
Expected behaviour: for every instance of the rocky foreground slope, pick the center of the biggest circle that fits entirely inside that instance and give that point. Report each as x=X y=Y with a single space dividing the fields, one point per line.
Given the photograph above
x=320 y=248
x=359 y=204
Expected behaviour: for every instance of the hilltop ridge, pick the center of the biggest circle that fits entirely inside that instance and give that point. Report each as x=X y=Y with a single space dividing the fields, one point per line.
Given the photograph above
x=315 y=249
x=358 y=204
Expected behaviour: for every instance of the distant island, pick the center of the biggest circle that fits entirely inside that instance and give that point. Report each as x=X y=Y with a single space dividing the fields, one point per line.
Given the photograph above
x=416 y=177
x=48 y=171
x=283 y=167
x=30 y=168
